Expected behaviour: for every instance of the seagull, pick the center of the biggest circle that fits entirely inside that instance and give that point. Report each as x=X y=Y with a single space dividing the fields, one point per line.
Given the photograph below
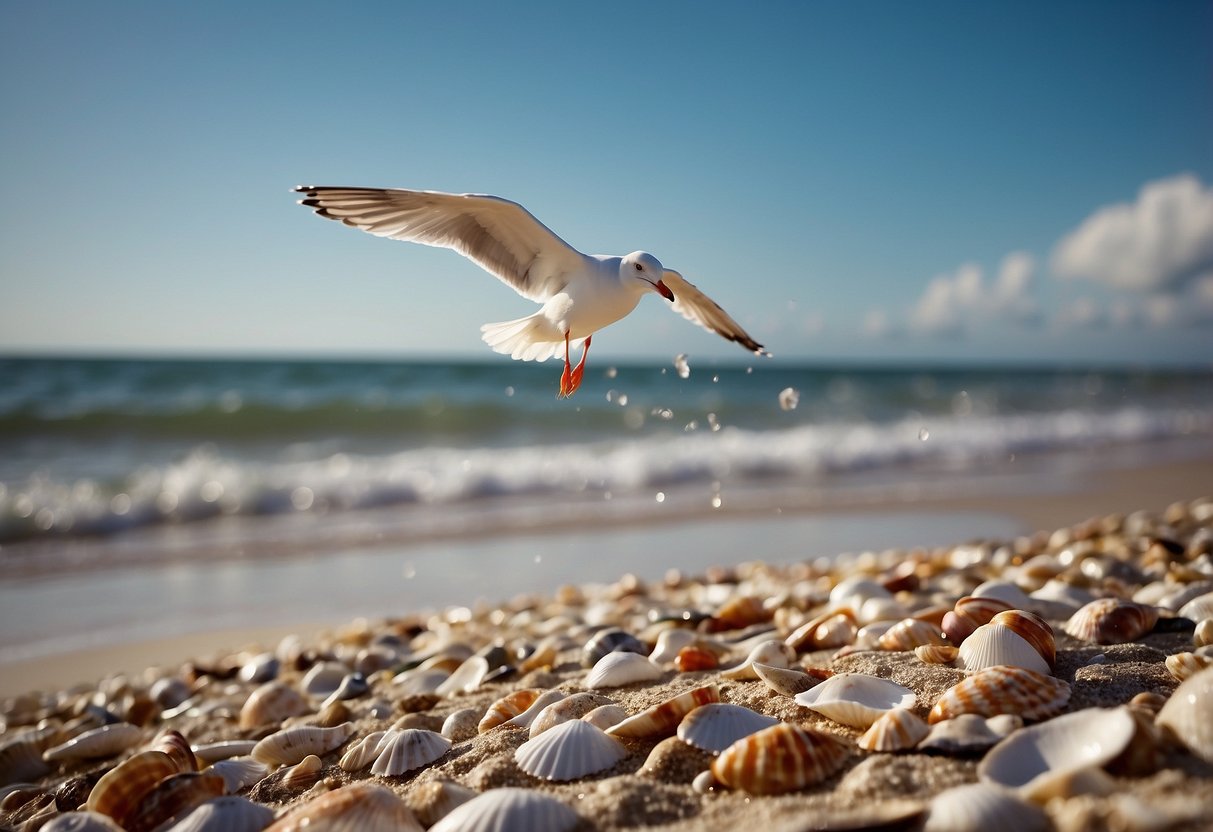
x=580 y=294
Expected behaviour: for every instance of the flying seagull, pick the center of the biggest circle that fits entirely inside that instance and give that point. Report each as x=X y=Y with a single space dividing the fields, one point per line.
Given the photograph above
x=580 y=293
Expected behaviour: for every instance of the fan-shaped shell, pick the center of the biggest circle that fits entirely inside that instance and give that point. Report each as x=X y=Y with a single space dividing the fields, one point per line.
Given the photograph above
x=119 y=791
x=360 y=807
x=571 y=707
x=895 y=730
x=717 y=725
x=508 y=707
x=1003 y=690
x=772 y=653
x=1031 y=628
x=1112 y=621
x=569 y=751
x=289 y=746
x=1189 y=714
x=226 y=814
x=992 y=645
x=105 y=741
x=81 y=822
x=614 y=670
x=782 y=758
x=508 y=809
x=662 y=719
x=272 y=703
x=980 y=807
x=856 y=699
x=936 y=653
x=407 y=749
x=362 y=752
x=910 y=633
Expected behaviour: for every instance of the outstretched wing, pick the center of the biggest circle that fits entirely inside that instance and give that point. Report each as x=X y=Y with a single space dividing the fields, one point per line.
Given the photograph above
x=499 y=235
x=697 y=307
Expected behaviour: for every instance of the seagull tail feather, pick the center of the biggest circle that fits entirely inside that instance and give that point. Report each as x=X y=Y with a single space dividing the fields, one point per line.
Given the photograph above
x=531 y=338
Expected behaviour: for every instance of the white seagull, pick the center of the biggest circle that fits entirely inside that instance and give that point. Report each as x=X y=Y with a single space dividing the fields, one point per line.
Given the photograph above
x=580 y=293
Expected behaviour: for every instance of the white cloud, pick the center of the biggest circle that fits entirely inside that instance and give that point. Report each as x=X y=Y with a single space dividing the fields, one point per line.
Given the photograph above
x=952 y=303
x=876 y=324
x=1159 y=243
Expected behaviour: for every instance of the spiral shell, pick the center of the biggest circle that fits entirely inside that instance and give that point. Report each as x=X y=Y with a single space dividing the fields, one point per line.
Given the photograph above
x=782 y=758
x=662 y=719
x=910 y=633
x=289 y=746
x=1112 y=621
x=896 y=730
x=1003 y=690
x=508 y=707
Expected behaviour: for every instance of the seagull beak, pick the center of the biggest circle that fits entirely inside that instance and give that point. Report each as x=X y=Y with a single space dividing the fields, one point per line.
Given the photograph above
x=663 y=290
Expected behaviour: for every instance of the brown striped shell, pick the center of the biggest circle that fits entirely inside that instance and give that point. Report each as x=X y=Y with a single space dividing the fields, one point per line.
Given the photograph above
x=693 y=657
x=1031 y=628
x=121 y=789
x=662 y=720
x=508 y=707
x=968 y=614
x=782 y=758
x=362 y=806
x=897 y=730
x=178 y=749
x=1112 y=621
x=910 y=633
x=830 y=629
x=1186 y=665
x=936 y=653
x=174 y=796
x=1003 y=690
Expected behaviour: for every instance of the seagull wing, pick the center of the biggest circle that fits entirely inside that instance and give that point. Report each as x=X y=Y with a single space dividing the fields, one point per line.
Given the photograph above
x=499 y=235
x=697 y=307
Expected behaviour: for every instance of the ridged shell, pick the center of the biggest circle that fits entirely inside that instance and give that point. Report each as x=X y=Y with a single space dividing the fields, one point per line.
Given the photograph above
x=1189 y=714
x=215 y=751
x=287 y=747
x=360 y=807
x=571 y=707
x=1112 y=621
x=509 y=809
x=717 y=725
x=21 y=759
x=785 y=681
x=119 y=791
x=1031 y=757
x=272 y=703
x=614 y=670
x=992 y=645
x=508 y=707
x=1003 y=690
x=303 y=775
x=81 y=822
x=434 y=800
x=238 y=773
x=771 y=653
x=1031 y=628
x=856 y=699
x=177 y=748
x=411 y=748
x=1186 y=665
x=362 y=752
x=662 y=720
x=936 y=653
x=980 y=807
x=910 y=633
x=782 y=758
x=173 y=797
x=226 y=814
x=105 y=741
x=896 y=730
x=569 y=751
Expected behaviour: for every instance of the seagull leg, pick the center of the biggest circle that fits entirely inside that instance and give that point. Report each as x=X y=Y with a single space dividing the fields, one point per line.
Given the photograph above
x=566 y=381
x=579 y=370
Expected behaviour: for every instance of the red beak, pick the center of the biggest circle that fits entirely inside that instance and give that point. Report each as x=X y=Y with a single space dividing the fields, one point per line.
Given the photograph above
x=664 y=290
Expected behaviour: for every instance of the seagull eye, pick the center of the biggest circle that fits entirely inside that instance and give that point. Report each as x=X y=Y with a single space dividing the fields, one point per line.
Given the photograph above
x=639 y=267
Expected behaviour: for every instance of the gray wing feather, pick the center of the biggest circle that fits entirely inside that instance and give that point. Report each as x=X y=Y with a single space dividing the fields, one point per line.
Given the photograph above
x=697 y=307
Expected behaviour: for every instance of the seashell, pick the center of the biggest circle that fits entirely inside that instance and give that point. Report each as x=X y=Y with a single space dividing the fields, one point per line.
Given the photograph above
x=739 y=612
x=910 y=633
x=461 y=725
x=1188 y=713
x=852 y=593
x=1203 y=634
x=856 y=699
x=992 y=645
x=981 y=807
x=1031 y=628
x=614 y=670
x=1066 y=597
x=936 y=653
x=238 y=773
x=260 y=668
x=673 y=761
x=359 y=807
x=963 y=734
x=611 y=641
x=272 y=703
x=606 y=716
x=289 y=746
x=569 y=751
x=693 y=658
x=543 y=656
x=1003 y=690
x=215 y=751
x=351 y=687
x=671 y=642
x=524 y=719
x=433 y=801
x=362 y=752
x=302 y=775
x=895 y=730
x=1186 y=665
x=1005 y=591
x=571 y=707
x=21 y=759
x=508 y=707
x=785 y=681
x=717 y=725
x=501 y=810
x=831 y=629
x=121 y=789
x=106 y=741
x=881 y=609
x=81 y=822
x=226 y=814
x=782 y=758
x=418 y=682
x=1199 y=608
x=662 y=719
x=771 y=653
x=1112 y=621
x=178 y=749
x=174 y=796
x=323 y=678
x=401 y=751
x=466 y=678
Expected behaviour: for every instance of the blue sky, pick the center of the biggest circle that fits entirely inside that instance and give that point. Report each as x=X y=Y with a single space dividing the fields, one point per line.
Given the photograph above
x=859 y=181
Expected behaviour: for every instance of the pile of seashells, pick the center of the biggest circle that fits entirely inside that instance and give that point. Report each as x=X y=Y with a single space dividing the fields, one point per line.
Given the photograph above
x=1059 y=681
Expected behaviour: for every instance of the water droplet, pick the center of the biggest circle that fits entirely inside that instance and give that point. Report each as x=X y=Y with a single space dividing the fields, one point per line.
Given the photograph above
x=789 y=398
x=681 y=365
x=660 y=496
x=509 y=391
x=924 y=434
x=716 y=501
x=302 y=498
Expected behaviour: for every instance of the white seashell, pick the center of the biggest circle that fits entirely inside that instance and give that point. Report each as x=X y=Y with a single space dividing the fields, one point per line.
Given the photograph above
x=606 y=716
x=670 y=642
x=461 y=724
x=991 y=645
x=239 y=773
x=963 y=734
x=569 y=751
x=272 y=703
x=855 y=699
x=881 y=609
x=1030 y=758
x=852 y=593
x=1177 y=598
x=260 y=668
x=571 y=707
x=362 y=752
x=323 y=678
x=290 y=746
x=1064 y=595
x=614 y=670
x=213 y=752
x=408 y=749
x=981 y=807
x=1003 y=591
x=466 y=678
x=226 y=814
x=506 y=809
x=1199 y=608
x=1188 y=713
x=1186 y=665
x=772 y=653
x=105 y=741
x=717 y=725
x=895 y=730
x=418 y=682
x=1203 y=634
x=81 y=822
x=524 y=719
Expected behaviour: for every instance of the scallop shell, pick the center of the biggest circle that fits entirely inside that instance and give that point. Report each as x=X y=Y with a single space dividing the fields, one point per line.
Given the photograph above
x=503 y=810
x=1112 y=621
x=178 y=749
x=1031 y=628
x=433 y=801
x=614 y=670
x=782 y=758
x=662 y=720
x=215 y=751
x=992 y=645
x=120 y=790
x=1003 y=690
x=771 y=653
x=980 y=807
x=359 y=807
x=272 y=703
x=1189 y=714
x=1030 y=758
x=910 y=633
x=408 y=749
x=226 y=814
x=856 y=699
x=717 y=725
x=174 y=796
x=569 y=751
x=896 y=730
x=1185 y=665
x=362 y=752
x=571 y=707
x=106 y=741
x=936 y=653
x=81 y=822
x=238 y=773
x=289 y=746
x=508 y=707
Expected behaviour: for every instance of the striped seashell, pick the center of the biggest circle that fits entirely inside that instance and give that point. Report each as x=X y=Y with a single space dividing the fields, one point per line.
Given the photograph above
x=503 y=809
x=524 y=719
x=981 y=807
x=785 y=681
x=993 y=645
x=936 y=653
x=831 y=629
x=433 y=801
x=289 y=746
x=271 y=704
x=571 y=707
x=362 y=752
x=896 y=730
x=174 y=796
x=1203 y=634
x=856 y=699
x=238 y=773
x=1003 y=690
x=693 y=658
x=569 y=751
x=1199 y=608
x=910 y=633
x=177 y=748
x=408 y=749
x=968 y=614
x=1112 y=621
x=121 y=789
x=106 y=741
x=738 y=613
x=662 y=720
x=508 y=707
x=21 y=757
x=782 y=758
x=81 y=822
x=215 y=751
x=359 y=807
x=772 y=653
x=1031 y=628
x=226 y=814
x=1185 y=665
x=717 y=725
x=615 y=670
x=606 y=716
x=1148 y=701
x=1188 y=713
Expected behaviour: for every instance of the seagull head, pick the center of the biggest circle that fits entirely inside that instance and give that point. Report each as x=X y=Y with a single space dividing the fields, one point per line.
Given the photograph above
x=640 y=265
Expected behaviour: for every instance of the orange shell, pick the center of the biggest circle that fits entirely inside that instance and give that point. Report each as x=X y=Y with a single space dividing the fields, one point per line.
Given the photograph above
x=121 y=789
x=910 y=633
x=782 y=758
x=692 y=658
x=508 y=707
x=662 y=720
x=738 y=613
x=1031 y=628
x=1003 y=690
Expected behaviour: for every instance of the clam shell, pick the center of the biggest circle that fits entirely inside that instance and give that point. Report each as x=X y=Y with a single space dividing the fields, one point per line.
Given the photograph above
x=772 y=653
x=856 y=699
x=895 y=730
x=461 y=724
x=287 y=747
x=105 y=741
x=1199 y=608
x=359 y=807
x=1003 y=690
x=785 y=681
x=1031 y=628
x=612 y=640
x=662 y=720
x=174 y=796
x=178 y=749
x=963 y=734
x=362 y=752
x=121 y=789
x=992 y=645
x=936 y=653
x=571 y=707
x=226 y=814
x=323 y=678
x=238 y=773
x=1112 y=621
x=1189 y=714
x=408 y=749
x=782 y=758
x=980 y=807
x=1203 y=634
x=606 y=716
x=508 y=707
x=910 y=633
x=717 y=725
x=507 y=809
x=433 y=801
x=1186 y=665
x=81 y=822
x=21 y=759
x=614 y=670
x=466 y=678
x=272 y=703
x=569 y=751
